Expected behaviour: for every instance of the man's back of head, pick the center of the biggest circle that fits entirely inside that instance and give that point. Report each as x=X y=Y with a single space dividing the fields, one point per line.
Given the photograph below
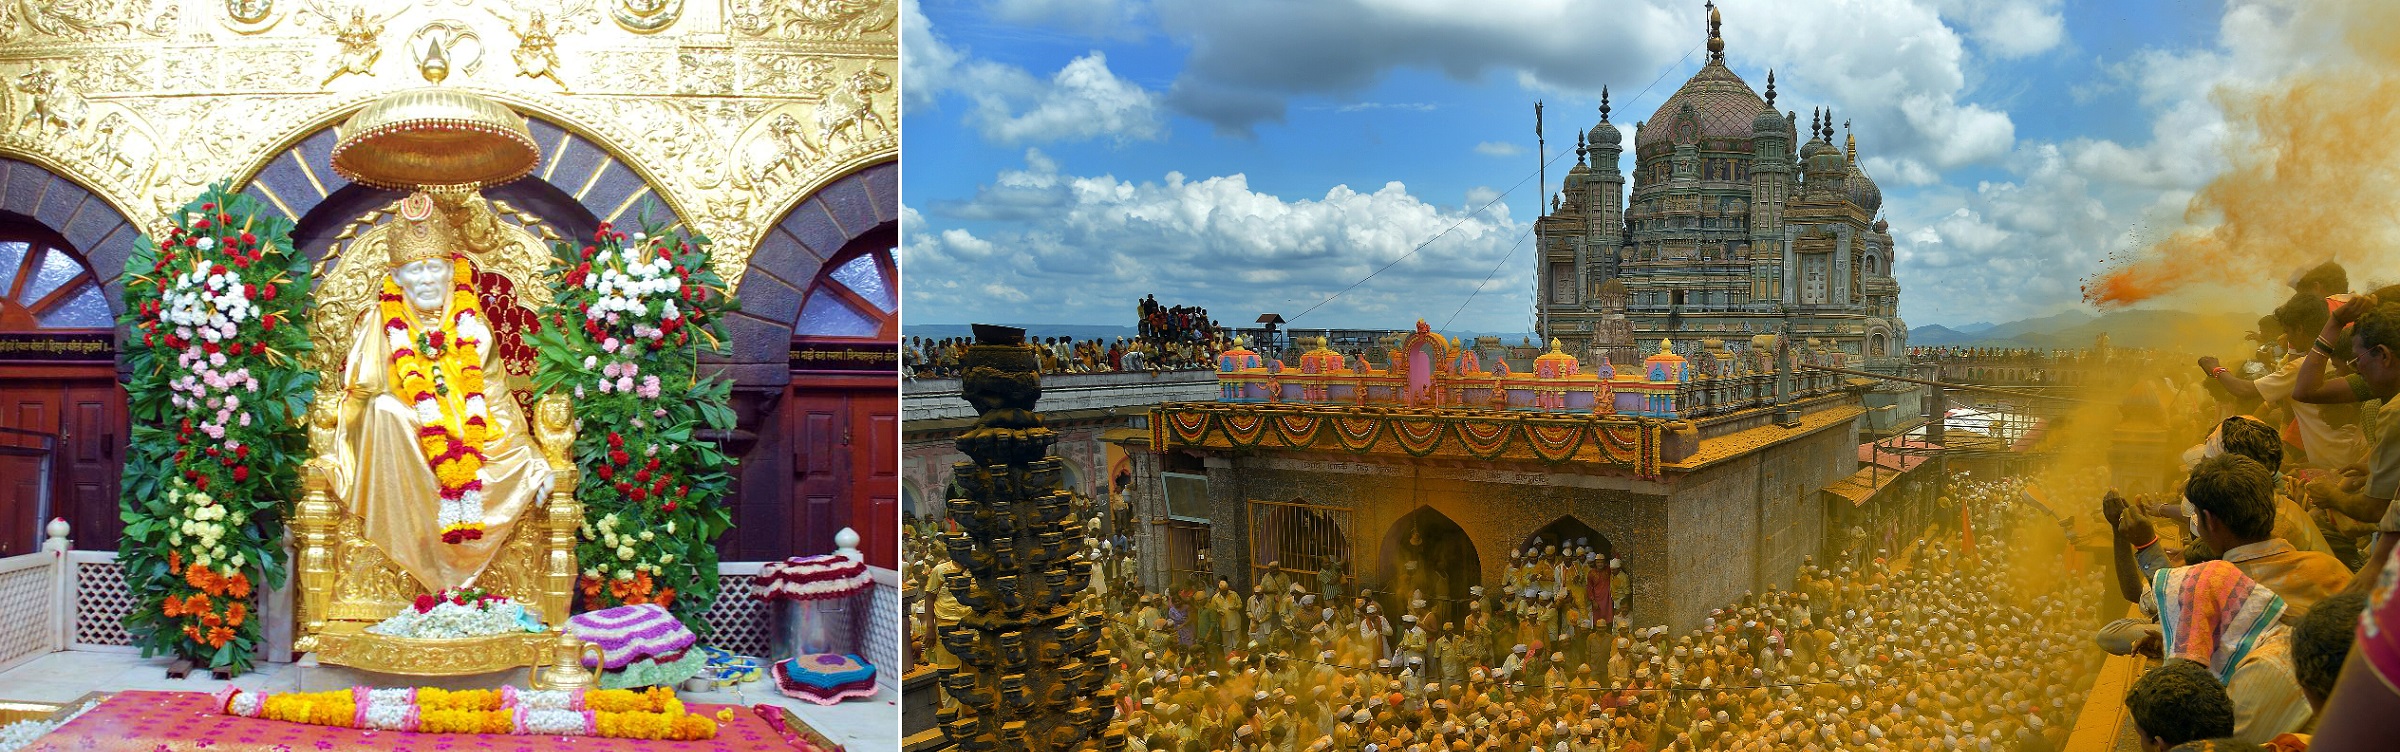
x=2322 y=642
x=2237 y=491
x=2178 y=702
x=2252 y=438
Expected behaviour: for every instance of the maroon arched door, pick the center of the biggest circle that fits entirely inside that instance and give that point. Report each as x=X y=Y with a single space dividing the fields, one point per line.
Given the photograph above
x=62 y=416
x=842 y=410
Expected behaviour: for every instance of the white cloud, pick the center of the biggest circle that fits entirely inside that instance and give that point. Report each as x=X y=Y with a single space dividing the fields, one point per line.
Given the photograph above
x=2009 y=28
x=1498 y=149
x=1086 y=247
x=1082 y=100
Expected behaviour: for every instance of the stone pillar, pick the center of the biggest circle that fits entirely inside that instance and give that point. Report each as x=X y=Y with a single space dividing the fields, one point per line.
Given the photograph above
x=1031 y=673
x=1228 y=524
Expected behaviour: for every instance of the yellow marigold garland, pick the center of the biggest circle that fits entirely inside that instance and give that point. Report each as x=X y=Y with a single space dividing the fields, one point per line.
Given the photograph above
x=441 y=375
x=654 y=713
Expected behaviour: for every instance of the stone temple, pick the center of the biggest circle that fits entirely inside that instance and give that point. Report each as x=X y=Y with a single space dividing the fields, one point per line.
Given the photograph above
x=1733 y=227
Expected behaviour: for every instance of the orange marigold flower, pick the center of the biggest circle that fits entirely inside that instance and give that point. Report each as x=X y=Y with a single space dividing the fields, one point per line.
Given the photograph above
x=175 y=562
x=218 y=636
x=211 y=620
x=238 y=585
x=235 y=613
x=197 y=604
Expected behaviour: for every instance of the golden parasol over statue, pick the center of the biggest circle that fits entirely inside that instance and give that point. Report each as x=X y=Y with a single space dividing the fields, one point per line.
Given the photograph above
x=434 y=137
x=386 y=517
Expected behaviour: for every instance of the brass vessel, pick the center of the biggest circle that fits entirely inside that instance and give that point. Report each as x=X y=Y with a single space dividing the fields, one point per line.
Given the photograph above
x=563 y=668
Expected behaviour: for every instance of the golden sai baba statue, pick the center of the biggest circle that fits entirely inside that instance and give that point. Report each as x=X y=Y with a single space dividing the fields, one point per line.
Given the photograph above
x=426 y=473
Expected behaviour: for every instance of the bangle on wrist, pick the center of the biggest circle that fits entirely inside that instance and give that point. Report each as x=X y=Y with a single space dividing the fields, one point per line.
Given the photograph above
x=2153 y=542
x=2217 y=371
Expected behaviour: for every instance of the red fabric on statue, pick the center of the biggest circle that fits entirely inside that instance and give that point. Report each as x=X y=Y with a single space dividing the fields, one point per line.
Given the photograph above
x=142 y=721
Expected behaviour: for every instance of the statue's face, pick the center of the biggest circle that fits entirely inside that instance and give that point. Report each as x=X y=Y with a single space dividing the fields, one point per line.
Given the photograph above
x=424 y=283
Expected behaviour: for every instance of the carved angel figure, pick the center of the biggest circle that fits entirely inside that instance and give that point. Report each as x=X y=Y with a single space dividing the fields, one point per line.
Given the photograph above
x=537 y=39
x=359 y=34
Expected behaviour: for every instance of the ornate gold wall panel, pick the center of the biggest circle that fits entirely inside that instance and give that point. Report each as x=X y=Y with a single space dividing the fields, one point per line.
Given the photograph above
x=732 y=110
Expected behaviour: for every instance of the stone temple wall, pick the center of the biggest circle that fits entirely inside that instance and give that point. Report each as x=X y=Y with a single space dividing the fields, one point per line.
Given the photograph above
x=1690 y=542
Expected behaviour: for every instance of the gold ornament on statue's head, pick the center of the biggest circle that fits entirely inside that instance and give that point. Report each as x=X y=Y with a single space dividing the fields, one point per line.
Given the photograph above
x=422 y=232
x=434 y=137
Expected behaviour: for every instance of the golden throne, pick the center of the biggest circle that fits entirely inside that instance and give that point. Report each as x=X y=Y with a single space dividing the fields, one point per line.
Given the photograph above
x=345 y=582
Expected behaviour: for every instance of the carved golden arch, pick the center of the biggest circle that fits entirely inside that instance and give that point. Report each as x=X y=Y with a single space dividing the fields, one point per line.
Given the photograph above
x=331 y=118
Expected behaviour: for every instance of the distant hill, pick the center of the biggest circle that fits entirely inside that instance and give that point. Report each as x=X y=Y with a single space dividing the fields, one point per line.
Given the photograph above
x=1978 y=327
x=2130 y=328
x=1936 y=335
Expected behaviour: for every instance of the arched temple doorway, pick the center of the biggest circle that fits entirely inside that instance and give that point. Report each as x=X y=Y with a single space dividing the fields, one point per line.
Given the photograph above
x=1445 y=565
x=62 y=416
x=1565 y=532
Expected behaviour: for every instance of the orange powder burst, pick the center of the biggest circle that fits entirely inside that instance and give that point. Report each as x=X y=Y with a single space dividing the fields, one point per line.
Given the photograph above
x=2313 y=173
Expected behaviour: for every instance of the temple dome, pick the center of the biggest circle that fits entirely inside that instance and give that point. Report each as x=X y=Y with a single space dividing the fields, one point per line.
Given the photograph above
x=1862 y=189
x=1722 y=104
x=1606 y=133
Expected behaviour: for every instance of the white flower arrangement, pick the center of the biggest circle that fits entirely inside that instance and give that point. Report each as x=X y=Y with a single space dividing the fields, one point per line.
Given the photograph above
x=445 y=617
x=16 y=736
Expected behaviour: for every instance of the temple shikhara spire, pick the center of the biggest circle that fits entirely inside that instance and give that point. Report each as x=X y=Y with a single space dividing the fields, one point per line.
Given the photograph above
x=1727 y=225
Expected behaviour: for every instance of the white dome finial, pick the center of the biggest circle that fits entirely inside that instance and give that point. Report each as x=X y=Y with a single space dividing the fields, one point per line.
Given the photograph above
x=846 y=544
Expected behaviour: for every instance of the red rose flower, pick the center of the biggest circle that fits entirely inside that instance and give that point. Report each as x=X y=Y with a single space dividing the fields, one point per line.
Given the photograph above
x=605 y=472
x=270 y=293
x=670 y=506
x=241 y=473
x=242 y=451
x=426 y=603
x=615 y=441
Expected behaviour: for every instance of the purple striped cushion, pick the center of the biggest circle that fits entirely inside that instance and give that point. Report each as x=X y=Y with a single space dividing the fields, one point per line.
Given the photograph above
x=631 y=633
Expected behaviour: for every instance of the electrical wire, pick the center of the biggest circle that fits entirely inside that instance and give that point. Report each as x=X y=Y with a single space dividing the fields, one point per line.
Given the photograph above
x=1662 y=75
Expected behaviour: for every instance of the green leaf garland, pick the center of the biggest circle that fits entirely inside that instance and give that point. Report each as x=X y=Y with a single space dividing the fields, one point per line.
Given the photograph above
x=629 y=317
x=214 y=351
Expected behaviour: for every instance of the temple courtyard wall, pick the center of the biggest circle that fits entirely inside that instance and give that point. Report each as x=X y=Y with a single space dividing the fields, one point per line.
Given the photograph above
x=1691 y=540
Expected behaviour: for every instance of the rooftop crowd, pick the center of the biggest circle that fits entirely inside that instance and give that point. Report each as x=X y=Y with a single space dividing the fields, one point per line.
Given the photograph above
x=1168 y=338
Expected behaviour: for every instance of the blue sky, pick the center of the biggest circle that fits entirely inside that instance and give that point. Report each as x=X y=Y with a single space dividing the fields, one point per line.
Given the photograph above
x=1066 y=157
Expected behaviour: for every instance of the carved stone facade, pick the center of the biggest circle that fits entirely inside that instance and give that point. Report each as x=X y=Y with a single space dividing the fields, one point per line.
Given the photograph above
x=1729 y=230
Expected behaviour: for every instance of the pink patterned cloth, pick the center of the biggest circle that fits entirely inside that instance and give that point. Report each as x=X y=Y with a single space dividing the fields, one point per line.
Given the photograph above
x=808 y=578
x=631 y=633
x=143 y=721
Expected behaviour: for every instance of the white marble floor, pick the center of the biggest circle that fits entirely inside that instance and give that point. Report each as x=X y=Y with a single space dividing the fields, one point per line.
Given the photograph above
x=863 y=725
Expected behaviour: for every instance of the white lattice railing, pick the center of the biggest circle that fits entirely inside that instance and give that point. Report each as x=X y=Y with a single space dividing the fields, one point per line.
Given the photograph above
x=33 y=592
x=77 y=600
x=744 y=624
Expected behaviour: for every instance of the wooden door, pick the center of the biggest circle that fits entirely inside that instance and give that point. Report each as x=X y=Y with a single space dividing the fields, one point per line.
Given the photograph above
x=87 y=418
x=29 y=408
x=875 y=476
x=845 y=460
x=816 y=425
x=91 y=449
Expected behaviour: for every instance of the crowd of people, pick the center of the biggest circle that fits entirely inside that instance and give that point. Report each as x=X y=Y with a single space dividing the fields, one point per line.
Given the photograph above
x=1170 y=338
x=1165 y=323
x=2264 y=580
x=1939 y=645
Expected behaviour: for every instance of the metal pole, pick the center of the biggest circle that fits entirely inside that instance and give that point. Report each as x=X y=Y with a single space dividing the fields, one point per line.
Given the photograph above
x=1541 y=260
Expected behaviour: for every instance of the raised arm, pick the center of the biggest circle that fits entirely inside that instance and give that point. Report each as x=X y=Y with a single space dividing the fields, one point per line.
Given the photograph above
x=2240 y=387
x=2312 y=387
